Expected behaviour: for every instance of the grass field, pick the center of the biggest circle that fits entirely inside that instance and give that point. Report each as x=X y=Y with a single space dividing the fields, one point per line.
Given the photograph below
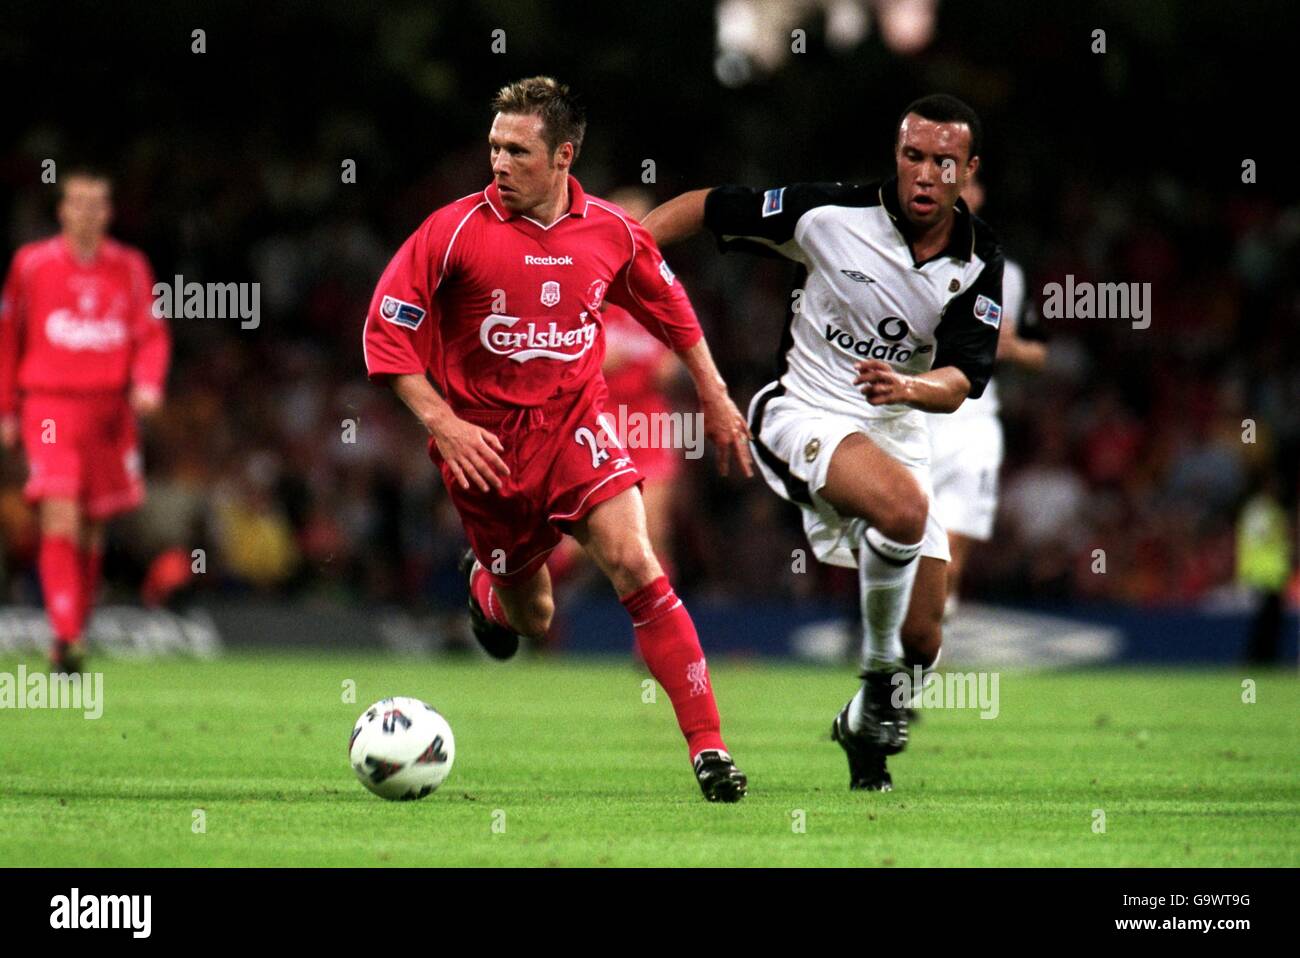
x=587 y=774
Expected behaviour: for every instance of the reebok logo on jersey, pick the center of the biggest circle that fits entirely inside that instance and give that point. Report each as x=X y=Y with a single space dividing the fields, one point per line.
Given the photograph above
x=401 y=313
x=987 y=311
x=548 y=260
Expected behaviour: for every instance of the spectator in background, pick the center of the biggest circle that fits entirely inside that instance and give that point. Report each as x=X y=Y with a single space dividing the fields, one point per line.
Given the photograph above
x=1264 y=566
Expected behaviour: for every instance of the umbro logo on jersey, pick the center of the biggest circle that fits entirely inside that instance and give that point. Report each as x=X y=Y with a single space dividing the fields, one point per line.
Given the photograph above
x=400 y=312
x=856 y=276
x=548 y=260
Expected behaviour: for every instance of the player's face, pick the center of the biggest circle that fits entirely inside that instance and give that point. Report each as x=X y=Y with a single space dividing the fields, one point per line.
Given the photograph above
x=526 y=171
x=86 y=208
x=934 y=166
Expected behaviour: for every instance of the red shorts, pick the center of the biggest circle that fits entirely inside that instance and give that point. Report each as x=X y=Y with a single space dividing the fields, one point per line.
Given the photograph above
x=563 y=463
x=82 y=447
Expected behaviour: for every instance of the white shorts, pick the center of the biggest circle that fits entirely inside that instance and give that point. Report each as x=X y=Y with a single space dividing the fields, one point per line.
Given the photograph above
x=793 y=445
x=965 y=459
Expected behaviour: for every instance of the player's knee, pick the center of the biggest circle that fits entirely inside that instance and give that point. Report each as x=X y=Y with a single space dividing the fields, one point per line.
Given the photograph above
x=60 y=518
x=632 y=564
x=903 y=518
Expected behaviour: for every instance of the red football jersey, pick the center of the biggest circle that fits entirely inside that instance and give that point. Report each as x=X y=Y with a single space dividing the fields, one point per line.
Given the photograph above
x=68 y=326
x=504 y=312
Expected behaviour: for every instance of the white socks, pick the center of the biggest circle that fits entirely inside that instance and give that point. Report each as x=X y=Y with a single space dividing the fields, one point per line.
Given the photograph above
x=886 y=570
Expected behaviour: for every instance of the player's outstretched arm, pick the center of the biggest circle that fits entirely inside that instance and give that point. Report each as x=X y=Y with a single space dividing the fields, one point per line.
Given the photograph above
x=1026 y=353
x=723 y=422
x=471 y=452
x=678 y=219
x=939 y=390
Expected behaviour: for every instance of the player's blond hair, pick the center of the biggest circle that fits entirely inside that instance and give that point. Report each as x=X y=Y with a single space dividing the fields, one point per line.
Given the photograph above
x=563 y=118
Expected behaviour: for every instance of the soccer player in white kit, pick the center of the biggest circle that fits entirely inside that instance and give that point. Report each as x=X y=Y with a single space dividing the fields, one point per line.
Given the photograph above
x=966 y=445
x=896 y=314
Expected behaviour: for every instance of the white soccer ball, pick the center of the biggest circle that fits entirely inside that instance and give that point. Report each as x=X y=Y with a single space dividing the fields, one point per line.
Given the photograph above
x=401 y=749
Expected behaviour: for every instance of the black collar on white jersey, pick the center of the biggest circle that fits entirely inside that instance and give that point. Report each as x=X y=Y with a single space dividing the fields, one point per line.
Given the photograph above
x=961 y=241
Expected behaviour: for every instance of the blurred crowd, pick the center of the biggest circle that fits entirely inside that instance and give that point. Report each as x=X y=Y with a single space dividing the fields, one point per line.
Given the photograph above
x=1128 y=460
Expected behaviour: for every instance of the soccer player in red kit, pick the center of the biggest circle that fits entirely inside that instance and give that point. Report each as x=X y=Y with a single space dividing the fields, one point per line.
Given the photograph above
x=487 y=324
x=81 y=355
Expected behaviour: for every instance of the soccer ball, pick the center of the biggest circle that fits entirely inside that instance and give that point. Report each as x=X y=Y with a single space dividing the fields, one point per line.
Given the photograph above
x=401 y=749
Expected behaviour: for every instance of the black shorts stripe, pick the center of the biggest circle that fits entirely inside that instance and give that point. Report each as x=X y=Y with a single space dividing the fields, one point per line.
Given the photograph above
x=796 y=489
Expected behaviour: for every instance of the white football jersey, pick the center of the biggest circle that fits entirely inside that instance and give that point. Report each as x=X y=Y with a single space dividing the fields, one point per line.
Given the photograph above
x=864 y=295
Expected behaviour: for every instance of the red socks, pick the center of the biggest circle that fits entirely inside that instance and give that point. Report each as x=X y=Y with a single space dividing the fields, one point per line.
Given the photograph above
x=60 y=566
x=666 y=639
x=481 y=588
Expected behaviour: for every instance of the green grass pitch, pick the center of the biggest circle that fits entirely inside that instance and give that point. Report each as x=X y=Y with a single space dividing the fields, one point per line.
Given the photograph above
x=573 y=768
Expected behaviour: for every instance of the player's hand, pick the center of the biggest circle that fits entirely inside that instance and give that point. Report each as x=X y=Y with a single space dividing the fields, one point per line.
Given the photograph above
x=881 y=383
x=8 y=431
x=472 y=454
x=145 y=402
x=726 y=427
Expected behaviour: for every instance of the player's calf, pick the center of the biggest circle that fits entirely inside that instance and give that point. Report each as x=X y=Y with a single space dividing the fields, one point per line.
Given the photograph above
x=922 y=632
x=530 y=615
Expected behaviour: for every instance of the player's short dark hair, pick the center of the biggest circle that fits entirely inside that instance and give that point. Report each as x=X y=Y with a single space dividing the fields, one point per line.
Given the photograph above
x=563 y=118
x=942 y=108
x=83 y=171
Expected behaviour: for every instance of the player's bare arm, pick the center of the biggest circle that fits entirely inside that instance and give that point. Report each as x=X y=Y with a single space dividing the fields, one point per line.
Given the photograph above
x=471 y=451
x=1026 y=353
x=938 y=390
x=145 y=401
x=723 y=422
x=678 y=219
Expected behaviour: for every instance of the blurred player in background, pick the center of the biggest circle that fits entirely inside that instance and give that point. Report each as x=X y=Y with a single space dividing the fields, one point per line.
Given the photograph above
x=487 y=324
x=899 y=293
x=81 y=355
x=966 y=445
x=638 y=370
